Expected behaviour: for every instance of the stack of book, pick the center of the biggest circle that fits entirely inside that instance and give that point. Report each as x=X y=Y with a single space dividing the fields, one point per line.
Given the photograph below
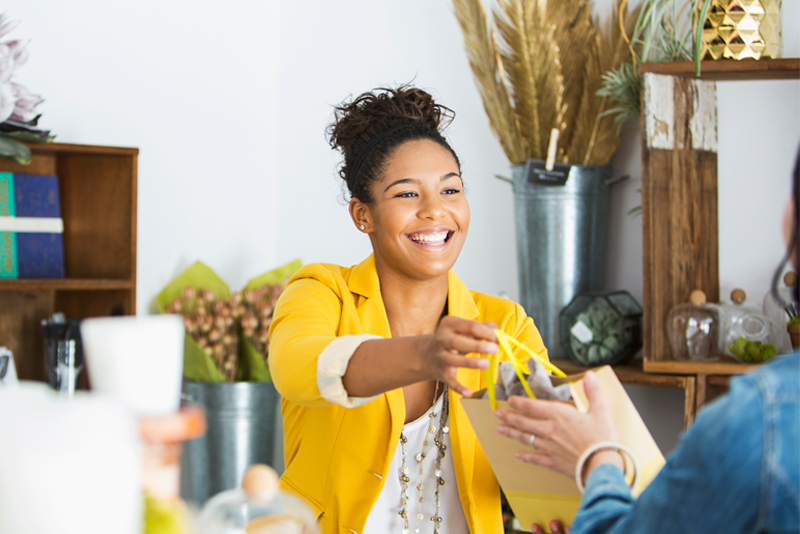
x=31 y=227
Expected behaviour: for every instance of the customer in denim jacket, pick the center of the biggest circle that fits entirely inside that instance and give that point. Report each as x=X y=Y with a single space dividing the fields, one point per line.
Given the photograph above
x=737 y=470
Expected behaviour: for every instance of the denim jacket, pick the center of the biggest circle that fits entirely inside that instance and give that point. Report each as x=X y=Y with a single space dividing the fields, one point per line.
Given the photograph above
x=737 y=469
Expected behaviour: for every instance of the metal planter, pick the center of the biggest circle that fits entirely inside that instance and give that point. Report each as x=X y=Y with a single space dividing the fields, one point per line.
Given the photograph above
x=561 y=242
x=242 y=429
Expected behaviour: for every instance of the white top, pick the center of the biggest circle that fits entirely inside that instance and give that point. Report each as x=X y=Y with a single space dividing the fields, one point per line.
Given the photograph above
x=385 y=515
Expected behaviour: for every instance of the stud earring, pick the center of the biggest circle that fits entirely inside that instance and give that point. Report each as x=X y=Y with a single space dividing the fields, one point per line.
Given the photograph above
x=362 y=226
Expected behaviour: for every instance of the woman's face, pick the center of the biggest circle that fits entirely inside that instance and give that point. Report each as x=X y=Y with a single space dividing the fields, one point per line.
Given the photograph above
x=419 y=216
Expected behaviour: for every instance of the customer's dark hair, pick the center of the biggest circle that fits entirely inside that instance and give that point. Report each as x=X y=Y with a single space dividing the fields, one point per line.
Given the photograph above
x=371 y=127
x=794 y=243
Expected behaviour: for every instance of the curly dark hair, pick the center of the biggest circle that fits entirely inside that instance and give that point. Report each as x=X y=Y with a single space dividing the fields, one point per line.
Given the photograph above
x=370 y=128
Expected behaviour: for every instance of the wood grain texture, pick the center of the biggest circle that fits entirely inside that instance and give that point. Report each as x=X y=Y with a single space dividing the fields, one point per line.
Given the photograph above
x=688 y=367
x=679 y=217
x=700 y=396
x=631 y=374
x=730 y=69
x=81 y=284
x=97 y=207
x=21 y=313
x=79 y=304
x=98 y=188
x=689 y=400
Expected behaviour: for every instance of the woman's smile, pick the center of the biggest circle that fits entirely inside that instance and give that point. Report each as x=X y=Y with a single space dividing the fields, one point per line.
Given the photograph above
x=431 y=239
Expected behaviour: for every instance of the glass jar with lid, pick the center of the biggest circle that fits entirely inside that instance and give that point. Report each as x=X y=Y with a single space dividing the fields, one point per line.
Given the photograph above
x=693 y=329
x=257 y=507
x=748 y=334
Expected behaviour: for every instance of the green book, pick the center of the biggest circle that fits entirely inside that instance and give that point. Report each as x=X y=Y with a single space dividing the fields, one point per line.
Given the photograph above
x=8 y=240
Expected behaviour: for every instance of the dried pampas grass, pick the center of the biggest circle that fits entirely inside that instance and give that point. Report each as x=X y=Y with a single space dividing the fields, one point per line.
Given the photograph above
x=544 y=73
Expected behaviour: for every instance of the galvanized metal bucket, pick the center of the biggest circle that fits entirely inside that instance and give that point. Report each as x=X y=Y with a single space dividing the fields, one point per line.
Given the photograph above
x=242 y=429
x=561 y=242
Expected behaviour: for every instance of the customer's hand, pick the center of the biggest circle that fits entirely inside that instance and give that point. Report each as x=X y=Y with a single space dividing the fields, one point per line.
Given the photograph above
x=562 y=433
x=555 y=528
x=446 y=350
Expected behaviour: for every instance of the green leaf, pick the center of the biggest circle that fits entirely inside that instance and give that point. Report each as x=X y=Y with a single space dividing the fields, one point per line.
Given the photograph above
x=698 y=35
x=29 y=136
x=14 y=150
x=198 y=365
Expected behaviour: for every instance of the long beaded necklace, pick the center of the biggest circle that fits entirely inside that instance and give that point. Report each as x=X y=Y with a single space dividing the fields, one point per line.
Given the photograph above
x=404 y=471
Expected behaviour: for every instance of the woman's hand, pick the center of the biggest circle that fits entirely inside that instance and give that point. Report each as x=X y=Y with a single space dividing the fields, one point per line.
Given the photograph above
x=562 y=433
x=555 y=528
x=446 y=350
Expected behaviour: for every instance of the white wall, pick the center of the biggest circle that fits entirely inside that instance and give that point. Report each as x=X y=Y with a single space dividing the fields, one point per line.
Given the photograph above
x=228 y=102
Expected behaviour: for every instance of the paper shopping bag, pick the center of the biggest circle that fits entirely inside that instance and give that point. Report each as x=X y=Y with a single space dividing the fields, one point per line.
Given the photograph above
x=537 y=494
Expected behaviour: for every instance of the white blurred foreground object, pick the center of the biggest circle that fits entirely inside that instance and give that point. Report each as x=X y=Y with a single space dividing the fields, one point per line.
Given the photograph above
x=136 y=360
x=8 y=373
x=67 y=466
x=258 y=507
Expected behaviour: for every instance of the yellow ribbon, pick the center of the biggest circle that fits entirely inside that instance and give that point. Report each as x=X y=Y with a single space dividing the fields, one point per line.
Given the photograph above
x=505 y=344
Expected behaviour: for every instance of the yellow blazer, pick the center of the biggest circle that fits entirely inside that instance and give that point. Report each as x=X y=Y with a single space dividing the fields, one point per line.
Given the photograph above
x=337 y=459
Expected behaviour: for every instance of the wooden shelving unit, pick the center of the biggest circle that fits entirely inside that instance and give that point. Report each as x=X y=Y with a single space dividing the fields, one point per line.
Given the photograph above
x=98 y=204
x=727 y=70
x=726 y=366
x=74 y=284
x=679 y=200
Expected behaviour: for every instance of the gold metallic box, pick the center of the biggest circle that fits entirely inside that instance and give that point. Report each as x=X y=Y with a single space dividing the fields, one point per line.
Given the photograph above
x=739 y=29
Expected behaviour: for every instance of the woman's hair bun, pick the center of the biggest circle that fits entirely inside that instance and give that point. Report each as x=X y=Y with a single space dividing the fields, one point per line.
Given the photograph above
x=358 y=122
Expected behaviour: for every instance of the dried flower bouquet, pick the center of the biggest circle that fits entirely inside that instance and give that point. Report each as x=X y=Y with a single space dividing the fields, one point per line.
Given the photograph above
x=226 y=333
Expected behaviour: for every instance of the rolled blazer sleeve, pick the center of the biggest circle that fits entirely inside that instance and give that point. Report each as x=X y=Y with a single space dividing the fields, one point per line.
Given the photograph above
x=307 y=356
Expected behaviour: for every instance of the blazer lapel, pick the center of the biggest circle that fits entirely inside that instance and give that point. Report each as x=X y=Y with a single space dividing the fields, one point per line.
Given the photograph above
x=364 y=281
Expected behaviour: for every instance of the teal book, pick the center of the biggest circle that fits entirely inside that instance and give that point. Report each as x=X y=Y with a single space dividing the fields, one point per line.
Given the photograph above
x=8 y=240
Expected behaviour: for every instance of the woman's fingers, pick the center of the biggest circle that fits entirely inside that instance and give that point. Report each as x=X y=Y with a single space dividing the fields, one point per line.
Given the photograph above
x=555 y=528
x=522 y=423
x=537 y=458
x=594 y=394
x=451 y=360
x=541 y=445
x=472 y=329
x=534 y=408
x=467 y=345
x=456 y=386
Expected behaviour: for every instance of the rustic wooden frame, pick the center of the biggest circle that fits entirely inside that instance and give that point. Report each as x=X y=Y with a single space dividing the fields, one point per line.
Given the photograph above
x=679 y=194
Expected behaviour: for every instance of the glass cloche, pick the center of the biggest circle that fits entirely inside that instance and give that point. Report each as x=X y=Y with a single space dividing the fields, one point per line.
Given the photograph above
x=747 y=334
x=693 y=329
x=258 y=507
x=601 y=329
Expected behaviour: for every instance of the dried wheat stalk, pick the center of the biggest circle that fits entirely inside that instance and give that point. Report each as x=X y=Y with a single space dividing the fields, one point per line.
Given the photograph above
x=545 y=74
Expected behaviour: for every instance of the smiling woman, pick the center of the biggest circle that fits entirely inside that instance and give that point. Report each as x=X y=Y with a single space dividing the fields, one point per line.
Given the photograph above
x=370 y=359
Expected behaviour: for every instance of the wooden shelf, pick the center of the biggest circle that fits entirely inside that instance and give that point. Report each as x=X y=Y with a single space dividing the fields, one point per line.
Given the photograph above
x=730 y=69
x=632 y=374
x=725 y=367
x=66 y=284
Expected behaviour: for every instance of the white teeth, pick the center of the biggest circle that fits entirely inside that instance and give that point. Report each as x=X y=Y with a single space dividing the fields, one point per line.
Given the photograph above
x=430 y=238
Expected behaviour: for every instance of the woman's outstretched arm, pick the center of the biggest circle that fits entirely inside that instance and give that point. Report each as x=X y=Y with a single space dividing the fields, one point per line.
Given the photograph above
x=381 y=365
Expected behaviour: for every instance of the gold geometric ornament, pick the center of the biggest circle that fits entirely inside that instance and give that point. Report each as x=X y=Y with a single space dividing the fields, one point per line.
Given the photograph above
x=739 y=29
